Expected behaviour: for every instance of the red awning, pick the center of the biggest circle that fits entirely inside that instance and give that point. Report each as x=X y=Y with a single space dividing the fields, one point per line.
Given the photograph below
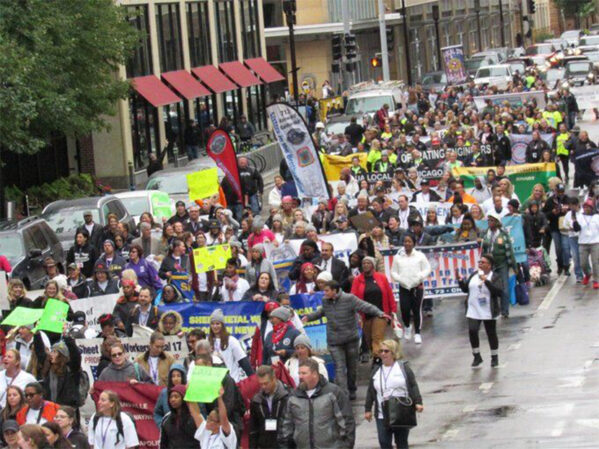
x=239 y=73
x=214 y=79
x=264 y=70
x=185 y=84
x=154 y=90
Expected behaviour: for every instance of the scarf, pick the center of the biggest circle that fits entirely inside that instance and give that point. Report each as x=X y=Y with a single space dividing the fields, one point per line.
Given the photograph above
x=231 y=285
x=278 y=332
x=301 y=283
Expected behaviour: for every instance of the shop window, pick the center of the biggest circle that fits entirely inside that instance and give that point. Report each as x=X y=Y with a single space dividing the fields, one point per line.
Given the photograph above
x=144 y=130
x=198 y=33
x=225 y=28
x=169 y=36
x=140 y=62
x=249 y=25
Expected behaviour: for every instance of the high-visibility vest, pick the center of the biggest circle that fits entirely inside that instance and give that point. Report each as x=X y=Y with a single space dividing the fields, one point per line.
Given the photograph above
x=560 y=141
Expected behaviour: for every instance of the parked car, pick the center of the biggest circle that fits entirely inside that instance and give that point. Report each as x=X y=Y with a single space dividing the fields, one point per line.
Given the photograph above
x=65 y=216
x=434 y=80
x=336 y=124
x=139 y=201
x=26 y=243
x=579 y=73
x=495 y=75
x=517 y=65
x=479 y=60
x=546 y=50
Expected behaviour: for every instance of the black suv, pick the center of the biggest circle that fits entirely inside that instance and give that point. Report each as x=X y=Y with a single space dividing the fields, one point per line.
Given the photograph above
x=26 y=243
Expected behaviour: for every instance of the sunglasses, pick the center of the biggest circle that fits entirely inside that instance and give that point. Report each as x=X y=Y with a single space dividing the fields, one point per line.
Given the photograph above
x=116 y=354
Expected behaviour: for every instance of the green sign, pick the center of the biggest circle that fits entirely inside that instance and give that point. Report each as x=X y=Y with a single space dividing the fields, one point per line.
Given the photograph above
x=161 y=205
x=204 y=384
x=22 y=316
x=54 y=316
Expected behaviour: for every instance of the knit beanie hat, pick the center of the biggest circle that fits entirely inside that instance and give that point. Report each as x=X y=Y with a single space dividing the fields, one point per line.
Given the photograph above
x=281 y=313
x=302 y=340
x=61 y=348
x=324 y=276
x=217 y=315
x=370 y=259
x=181 y=389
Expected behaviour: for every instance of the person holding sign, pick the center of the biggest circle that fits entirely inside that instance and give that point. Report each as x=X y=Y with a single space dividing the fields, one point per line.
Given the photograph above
x=62 y=378
x=216 y=431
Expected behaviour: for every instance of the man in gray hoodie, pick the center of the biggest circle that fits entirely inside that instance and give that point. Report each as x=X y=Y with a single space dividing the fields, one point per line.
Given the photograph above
x=340 y=310
x=122 y=370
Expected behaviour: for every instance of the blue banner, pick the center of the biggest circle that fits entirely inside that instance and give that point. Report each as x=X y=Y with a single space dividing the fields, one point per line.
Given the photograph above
x=316 y=330
x=181 y=281
x=241 y=317
x=513 y=226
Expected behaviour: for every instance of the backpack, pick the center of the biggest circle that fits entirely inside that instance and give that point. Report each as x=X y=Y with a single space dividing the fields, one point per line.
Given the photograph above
x=84 y=386
x=119 y=424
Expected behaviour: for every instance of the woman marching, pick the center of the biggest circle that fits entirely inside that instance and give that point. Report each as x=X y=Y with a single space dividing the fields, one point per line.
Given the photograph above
x=392 y=379
x=109 y=427
x=484 y=289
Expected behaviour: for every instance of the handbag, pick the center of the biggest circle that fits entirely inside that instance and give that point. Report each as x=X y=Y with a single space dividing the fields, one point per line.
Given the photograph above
x=398 y=412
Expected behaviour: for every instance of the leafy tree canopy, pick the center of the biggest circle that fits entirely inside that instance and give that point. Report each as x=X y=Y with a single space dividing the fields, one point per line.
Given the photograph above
x=572 y=8
x=58 y=68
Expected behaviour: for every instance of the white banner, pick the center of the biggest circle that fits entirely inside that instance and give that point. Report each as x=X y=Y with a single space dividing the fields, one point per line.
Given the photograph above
x=587 y=97
x=515 y=99
x=344 y=244
x=441 y=208
x=94 y=307
x=299 y=151
x=521 y=141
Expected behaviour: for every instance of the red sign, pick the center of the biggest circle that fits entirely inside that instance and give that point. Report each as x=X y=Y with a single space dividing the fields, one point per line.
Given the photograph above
x=220 y=148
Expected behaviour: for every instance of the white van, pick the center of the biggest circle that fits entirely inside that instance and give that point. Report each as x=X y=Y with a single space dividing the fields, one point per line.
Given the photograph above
x=369 y=97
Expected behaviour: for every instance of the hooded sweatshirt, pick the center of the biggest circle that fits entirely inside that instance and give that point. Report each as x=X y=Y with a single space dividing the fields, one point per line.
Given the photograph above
x=162 y=407
x=124 y=373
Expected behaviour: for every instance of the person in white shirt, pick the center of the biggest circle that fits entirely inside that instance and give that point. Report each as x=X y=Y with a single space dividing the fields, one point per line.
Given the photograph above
x=490 y=203
x=588 y=243
x=13 y=374
x=497 y=204
x=274 y=197
x=234 y=286
x=570 y=240
x=109 y=427
x=228 y=347
x=23 y=342
x=215 y=432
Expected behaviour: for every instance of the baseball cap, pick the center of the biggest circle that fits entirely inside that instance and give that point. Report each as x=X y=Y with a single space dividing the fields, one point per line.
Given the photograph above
x=10 y=425
x=72 y=266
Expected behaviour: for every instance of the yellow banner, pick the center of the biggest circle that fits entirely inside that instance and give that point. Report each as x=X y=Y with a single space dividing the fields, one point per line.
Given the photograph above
x=509 y=169
x=327 y=104
x=202 y=184
x=333 y=164
x=210 y=258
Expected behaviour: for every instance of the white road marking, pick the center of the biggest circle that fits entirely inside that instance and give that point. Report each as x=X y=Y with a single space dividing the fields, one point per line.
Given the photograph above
x=553 y=293
x=450 y=434
x=469 y=408
x=514 y=346
x=485 y=387
x=558 y=429
x=572 y=382
x=588 y=364
x=553 y=410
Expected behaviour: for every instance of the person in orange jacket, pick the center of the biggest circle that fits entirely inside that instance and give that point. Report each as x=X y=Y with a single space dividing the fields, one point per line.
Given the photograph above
x=37 y=411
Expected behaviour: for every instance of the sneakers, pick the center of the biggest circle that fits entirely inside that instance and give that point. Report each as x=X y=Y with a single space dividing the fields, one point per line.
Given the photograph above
x=407 y=333
x=494 y=361
x=429 y=313
x=477 y=361
x=567 y=272
x=596 y=285
x=418 y=338
x=586 y=279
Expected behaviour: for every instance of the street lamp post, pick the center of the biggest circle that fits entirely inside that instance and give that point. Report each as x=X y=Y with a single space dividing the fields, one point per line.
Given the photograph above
x=406 y=41
x=480 y=37
x=289 y=7
x=438 y=40
x=501 y=23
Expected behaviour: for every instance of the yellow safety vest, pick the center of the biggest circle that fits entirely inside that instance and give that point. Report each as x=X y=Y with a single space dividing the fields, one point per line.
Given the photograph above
x=560 y=141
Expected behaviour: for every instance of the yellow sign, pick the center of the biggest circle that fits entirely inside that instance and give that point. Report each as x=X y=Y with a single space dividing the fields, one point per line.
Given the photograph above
x=326 y=104
x=334 y=164
x=202 y=184
x=509 y=169
x=210 y=258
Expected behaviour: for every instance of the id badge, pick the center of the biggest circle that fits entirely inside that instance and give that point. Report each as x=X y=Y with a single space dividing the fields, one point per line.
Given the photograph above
x=482 y=301
x=274 y=359
x=270 y=425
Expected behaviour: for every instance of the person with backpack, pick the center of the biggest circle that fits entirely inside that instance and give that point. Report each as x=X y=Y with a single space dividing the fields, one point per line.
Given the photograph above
x=109 y=427
x=178 y=427
x=121 y=369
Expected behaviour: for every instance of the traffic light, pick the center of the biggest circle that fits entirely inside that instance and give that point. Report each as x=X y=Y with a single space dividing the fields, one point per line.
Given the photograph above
x=375 y=62
x=350 y=46
x=532 y=7
x=390 y=39
x=350 y=66
x=336 y=48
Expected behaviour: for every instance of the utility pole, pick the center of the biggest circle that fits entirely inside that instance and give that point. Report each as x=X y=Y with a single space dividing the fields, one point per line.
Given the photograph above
x=501 y=23
x=480 y=36
x=383 y=32
x=406 y=42
x=437 y=39
x=290 y=8
x=347 y=75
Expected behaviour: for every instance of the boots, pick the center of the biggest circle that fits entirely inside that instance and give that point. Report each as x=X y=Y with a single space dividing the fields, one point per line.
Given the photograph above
x=477 y=360
x=494 y=361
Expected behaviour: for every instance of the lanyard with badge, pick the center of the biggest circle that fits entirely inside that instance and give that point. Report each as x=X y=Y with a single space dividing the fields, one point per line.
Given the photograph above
x=270 y=424
x=153 y=370
x=482 y=299
x=104 y=432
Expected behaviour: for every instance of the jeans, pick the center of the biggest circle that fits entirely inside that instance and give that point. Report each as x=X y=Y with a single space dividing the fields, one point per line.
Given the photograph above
x=504 y=272
x=566 y=251
x=556 y=236
x=192 y=151
x=574 y=252
x=386 y=436
x=345 y=358
x=571 y=119
x=590 y=250
x=255 y=204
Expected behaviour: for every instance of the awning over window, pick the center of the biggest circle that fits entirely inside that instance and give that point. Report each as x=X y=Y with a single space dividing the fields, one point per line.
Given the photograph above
x=185 y=84
x=154 y=90
x=264 y=70
x=239 y=73
x=214 y=79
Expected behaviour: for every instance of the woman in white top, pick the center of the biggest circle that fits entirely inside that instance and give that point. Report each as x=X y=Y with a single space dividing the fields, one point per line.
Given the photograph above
x=588 y=242
x=228 y=347
x=109 y=427
x=394 y=378
x=214 y=432
x=303 y=351
x=570 y=240
x=410 y=268
x=484 y=289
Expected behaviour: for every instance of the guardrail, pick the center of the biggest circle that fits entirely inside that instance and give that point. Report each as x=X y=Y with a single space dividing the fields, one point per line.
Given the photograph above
x=265 y=158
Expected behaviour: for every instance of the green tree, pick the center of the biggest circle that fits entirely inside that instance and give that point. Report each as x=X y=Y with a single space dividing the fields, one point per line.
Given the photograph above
x=576 y=8
x=58 y=68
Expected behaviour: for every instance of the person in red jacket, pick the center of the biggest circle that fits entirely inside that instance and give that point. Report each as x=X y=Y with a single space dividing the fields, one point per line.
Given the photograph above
x=373 y=287
x=382 y=116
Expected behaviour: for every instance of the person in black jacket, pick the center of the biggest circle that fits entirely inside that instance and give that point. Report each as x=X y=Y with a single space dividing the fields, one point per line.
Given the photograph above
x=252 y=185
x=62 y=378
x=535 y=224
x=266 y=410
x=94 y=230
x=102 y=284
x=77 y=282
x=502 y=146
x=308 y=253
x=556 y=207
x=178 y=426
x=535 y=148
x=175 y=261
x=82 y=253
x=114 y=262
x=328 y=262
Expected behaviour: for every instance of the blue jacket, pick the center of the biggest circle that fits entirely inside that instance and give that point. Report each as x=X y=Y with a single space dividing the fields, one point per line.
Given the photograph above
x=162 y=407
x=285 y=343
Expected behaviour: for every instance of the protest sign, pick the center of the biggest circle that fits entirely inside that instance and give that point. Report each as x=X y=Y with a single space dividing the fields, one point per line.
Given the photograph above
x=316 y=330
x=515 y=100
x=202 y=184
x=210 y=258
x=455 y=69
x=94 y=307
x=241 y=317
x=444 y=260
x=513 y=225
x=344 y=244
x=204 y=384
x=54 y=316
x=442 y=209
x=161 y=205
x=22 y=316
x=333 y=164
x=138 y=401
x=520 y=142
x=523 y=176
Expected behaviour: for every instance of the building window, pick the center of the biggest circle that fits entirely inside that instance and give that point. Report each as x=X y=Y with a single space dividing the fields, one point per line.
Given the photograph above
x=249 y=25
x=169 y=36
x=140 y=62
x=198 y=34
x=225 y=26
x=144 y=130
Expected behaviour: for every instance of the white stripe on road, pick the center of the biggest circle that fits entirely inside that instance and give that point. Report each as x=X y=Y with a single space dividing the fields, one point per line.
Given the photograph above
x=485 y=387
x=588 y=364
x=469 y=408
x=553 y=293
x=514 y=346
x=558 y=429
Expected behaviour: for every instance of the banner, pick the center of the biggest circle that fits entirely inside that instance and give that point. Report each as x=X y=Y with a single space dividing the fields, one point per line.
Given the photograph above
x=94 y=307
x=523 y=176
x=333 y=164
x=315 y=330
x=455 y=69
x=587 y=97
x=520 y=142
x=441 y=208
x=210 y=258
x=241 y=317
x=161 y=205
x=343 y=244
x=444 y=260
x=299 y=151
x=202 y=184
x=182 y=282
x=138 y=401
x=515 y=100
x=220 y=148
